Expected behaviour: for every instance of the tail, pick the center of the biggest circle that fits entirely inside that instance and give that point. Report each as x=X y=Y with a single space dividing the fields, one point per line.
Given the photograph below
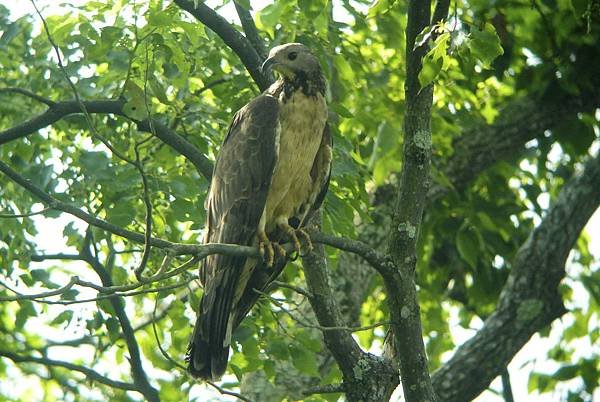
x=205 y=359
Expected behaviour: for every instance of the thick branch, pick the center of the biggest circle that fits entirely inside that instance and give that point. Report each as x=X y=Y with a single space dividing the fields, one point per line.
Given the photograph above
x=250 y=30
x=520 y=121
x=89 y=373
x=175 y=249
x=232 y=38
x=413 y=186
x=59 y=110
x=530 y=299
x=70 y=209
x=366 y=378
x=341 y=344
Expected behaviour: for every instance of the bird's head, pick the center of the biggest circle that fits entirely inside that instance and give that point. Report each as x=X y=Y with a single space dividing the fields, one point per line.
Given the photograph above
x=292 y=59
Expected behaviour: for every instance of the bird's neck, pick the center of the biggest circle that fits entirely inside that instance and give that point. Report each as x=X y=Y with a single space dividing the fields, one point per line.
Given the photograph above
x=310 y=84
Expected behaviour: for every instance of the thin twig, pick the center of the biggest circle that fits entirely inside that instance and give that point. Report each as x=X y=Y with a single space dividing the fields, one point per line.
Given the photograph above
x=507 y=393
x=89 y=373
x=29 y=94
x=27 y=215
x=148 y=218
x=547 y=27
x=105 y=291
x=140 y=377
x=158 y=343
x=55 y=292
x=138 y=164
x=65 y=108
x=378 y=261
x=296 y=289
x=279 y=304
x=225 y=392
x=59 y=256
x=63 y=70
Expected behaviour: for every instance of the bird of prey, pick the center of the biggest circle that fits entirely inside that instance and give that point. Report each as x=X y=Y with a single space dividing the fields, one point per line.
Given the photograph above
x=271 y=174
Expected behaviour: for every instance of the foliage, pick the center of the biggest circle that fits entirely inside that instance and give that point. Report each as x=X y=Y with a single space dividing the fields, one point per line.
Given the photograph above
x=167 y=66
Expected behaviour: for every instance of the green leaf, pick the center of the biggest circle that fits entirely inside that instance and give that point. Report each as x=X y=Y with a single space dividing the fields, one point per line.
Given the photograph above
x=135 y=107
x=13 y=30
x=467 y=244
x=159 y=18
x=122 y=214
x=430 y=70
x=341 y=110
x=26 y=310
x=485 y=44
x=566 y=372
x=70 y=294
x=312 y=8
x=279 y=349
x=65 y=316
x=113 y=328
x=435 y=60
x=304 y=361
x=159 y=91
x=97 y=164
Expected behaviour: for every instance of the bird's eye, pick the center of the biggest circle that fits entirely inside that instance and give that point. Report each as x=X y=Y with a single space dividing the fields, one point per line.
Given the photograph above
x=292 y=55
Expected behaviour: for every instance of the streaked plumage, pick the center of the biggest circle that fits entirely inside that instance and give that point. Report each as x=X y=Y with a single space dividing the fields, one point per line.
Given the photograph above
x=271 y=174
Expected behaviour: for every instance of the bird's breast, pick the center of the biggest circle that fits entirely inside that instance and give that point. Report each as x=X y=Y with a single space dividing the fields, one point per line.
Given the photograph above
x=302 y=121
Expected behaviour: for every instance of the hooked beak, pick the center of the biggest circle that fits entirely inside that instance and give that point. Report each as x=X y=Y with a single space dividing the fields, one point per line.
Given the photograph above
x=268 y=64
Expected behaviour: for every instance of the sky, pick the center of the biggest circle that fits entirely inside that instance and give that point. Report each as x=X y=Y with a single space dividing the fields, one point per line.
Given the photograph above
x=530 y=358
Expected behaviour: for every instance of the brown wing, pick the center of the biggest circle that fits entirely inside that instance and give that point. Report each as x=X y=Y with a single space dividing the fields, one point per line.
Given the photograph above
x=235 y=203
x=321 y=173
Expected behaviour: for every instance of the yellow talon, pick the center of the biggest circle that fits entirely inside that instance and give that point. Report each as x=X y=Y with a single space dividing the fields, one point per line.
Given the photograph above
x=306 y=236
x=264 y=242
x=279 y=250
x=294 y=234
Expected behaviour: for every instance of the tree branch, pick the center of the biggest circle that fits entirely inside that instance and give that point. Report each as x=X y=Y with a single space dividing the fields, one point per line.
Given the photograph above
x=59 y=256
x=341 y=344
x=223 y=391
x=378 y=261
x=520 y=121
x=41 y=295
x=408 y=213
x=232 y=38
x=176 y=249
x=507 y=393
x=250 y=30
x=27 y=215
x=53 y=203
x=325 y=389
x=28 y=94
x=530 y=299
x=89 y=373
x=62 y=109
x=118 y=304
x=366 y=378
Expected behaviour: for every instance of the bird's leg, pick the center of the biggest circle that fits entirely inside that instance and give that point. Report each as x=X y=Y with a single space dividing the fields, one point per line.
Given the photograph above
x=294 y=233
x=306 y=237
x=264 y=242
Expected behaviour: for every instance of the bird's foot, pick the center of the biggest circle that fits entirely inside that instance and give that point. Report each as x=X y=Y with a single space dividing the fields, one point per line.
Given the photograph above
x=271 y=249
x=265 y=247
x=295 y=234
x=304 y=234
